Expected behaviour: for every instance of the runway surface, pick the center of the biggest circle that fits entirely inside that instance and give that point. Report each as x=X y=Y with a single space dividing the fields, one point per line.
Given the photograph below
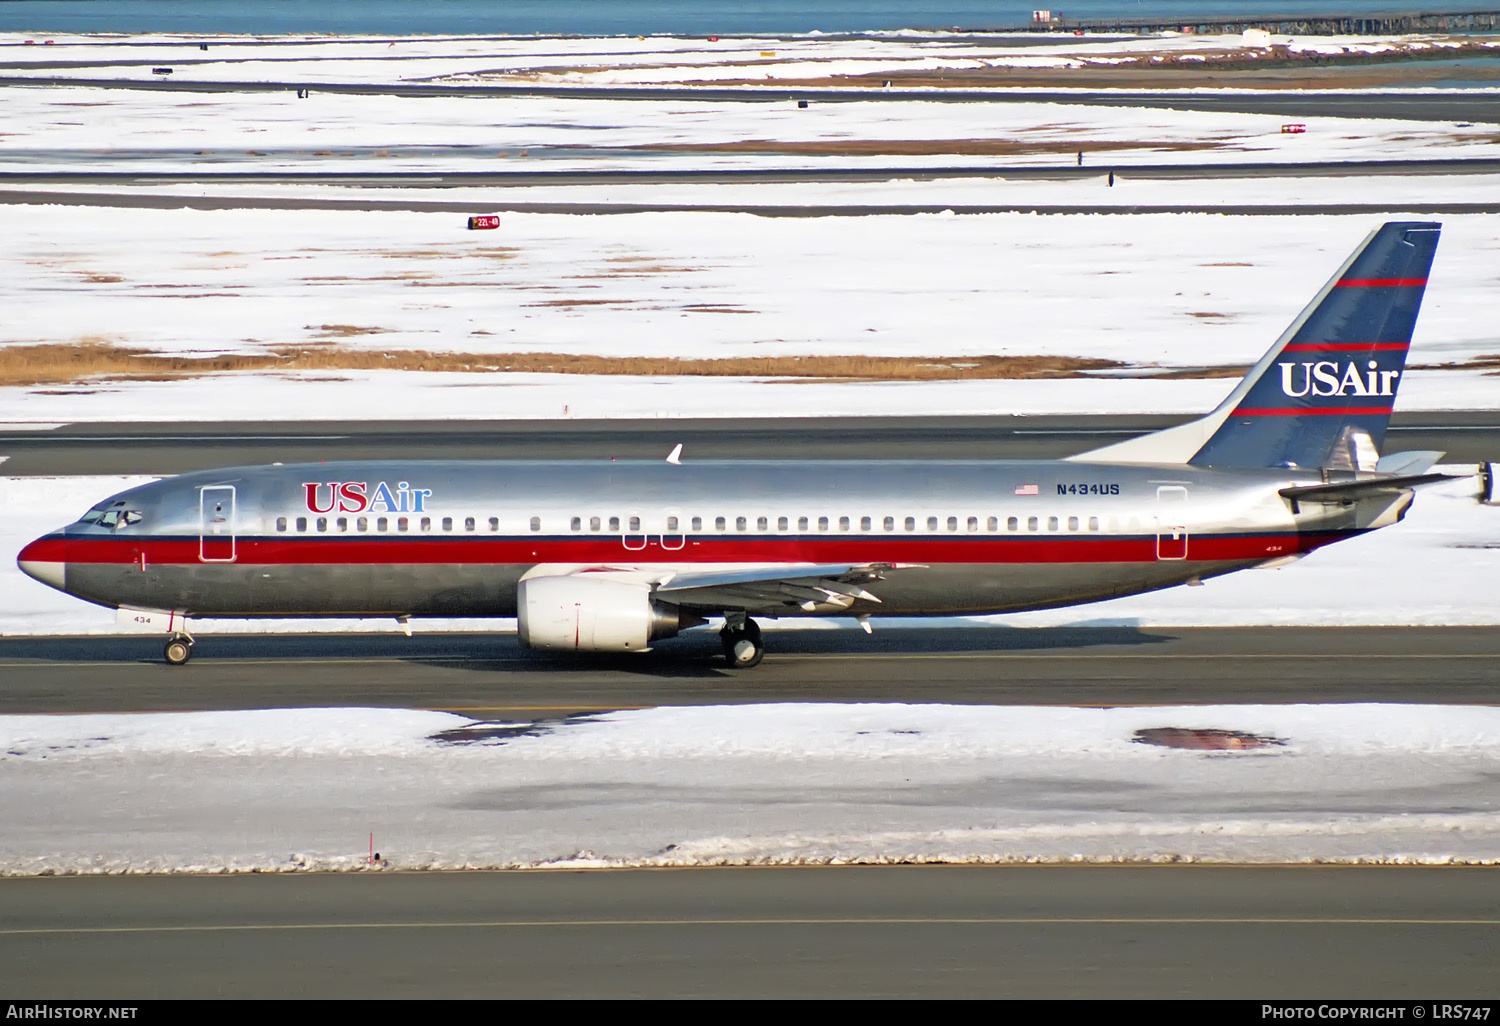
x=500 y=205
x=1437 y=105
x=406 y=179
x=1259 y=933
x=490 y=676
x=174 y=448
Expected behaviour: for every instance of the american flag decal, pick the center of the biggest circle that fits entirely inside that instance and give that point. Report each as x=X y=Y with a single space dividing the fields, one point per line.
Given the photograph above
x=1027 y=489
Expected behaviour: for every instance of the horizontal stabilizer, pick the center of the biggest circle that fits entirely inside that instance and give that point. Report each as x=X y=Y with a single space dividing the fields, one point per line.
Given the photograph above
x=1353 y=491
x=1417 y=462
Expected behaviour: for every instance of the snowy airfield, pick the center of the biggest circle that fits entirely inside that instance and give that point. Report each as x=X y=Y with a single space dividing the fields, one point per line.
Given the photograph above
x=276 y=790
x=292 y=790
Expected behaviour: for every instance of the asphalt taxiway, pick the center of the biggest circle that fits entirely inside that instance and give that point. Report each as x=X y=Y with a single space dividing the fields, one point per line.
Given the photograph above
x=1259 y=933
x=490 y=676
x=178 y=447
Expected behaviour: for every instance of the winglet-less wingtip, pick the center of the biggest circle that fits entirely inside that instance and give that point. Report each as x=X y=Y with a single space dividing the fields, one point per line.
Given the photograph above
x=675 y=456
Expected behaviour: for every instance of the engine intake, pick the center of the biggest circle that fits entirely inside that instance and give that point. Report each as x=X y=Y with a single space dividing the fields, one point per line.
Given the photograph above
x=586 y=615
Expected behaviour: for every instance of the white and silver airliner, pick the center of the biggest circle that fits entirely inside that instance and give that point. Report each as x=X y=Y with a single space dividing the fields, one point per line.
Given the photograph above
x=610 y=556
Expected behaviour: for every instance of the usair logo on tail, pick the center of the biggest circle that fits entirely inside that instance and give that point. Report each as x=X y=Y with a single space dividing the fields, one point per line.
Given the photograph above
x=1328 y=378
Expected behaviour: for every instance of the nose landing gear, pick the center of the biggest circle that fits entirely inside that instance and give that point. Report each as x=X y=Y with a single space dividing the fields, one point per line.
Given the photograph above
x=179 y=650
x=742 y=645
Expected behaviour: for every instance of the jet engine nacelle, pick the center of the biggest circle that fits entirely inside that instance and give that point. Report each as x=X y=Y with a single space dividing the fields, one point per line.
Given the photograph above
x=593 y=615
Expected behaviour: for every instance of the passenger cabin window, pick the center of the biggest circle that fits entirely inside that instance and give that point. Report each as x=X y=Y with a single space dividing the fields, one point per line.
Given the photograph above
x=953 y=523
x=447 y=523
x=302 y=523
x=593 y=523
x=576 y=523
x=889 y=523
x=992 y=524
x=932 y=523
x=635 y=524
x=469 y=524
x=342 y=523
x=672 y=524
x=494 y=523
x=536 y=523
x=362 y=524
x=843 y=523
x=382 y=524
x=719 y=524
x=782 y=524
x=426 y=523
x=614 y=523
x=322 y=523
x=762 y=524
x=864 y=523
x=911 y=523
x=281 y=523
x=801 y=523
x=1093 y=523
x=1051 y=523
x=739 y=523
x=697 y=523
x=1013 y=524
x=401 y=523
x=973 y=523
x=822 y=523
x=1072 y=523
x=1032 y=524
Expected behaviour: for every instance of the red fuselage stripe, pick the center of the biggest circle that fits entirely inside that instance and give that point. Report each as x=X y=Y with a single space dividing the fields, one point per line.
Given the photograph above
x=1384 y=283
x=302 y=551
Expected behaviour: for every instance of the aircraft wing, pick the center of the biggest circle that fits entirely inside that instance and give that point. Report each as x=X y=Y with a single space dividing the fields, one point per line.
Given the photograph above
x=778 y=588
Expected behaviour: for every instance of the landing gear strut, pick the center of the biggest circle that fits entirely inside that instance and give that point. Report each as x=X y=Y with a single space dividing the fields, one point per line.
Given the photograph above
x=742 y=645
x=179 y=650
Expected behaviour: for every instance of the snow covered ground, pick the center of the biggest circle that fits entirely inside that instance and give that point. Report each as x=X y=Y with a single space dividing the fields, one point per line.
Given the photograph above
x=1439 y=566
x=285 y=790
x=79 y=129
x=1152 y=291
x=644 y=61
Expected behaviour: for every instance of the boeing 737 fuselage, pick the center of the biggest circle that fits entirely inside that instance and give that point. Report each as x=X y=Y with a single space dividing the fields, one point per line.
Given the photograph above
x=612 y=556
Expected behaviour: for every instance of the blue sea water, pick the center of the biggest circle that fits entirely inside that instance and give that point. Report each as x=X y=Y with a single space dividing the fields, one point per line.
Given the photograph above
x=605 y=17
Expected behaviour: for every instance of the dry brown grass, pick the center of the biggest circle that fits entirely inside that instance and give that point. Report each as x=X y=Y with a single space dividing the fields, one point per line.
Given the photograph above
x=344 y=330
x=67 y=363
x=1489 y=362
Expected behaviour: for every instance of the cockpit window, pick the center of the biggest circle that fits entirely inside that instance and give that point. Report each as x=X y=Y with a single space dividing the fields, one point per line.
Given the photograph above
x=111 y=514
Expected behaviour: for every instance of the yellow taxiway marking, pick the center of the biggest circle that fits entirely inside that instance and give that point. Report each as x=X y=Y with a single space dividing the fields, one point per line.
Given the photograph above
x=801 y=921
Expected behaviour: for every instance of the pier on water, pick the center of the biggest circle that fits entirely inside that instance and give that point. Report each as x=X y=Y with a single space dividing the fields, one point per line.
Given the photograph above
x=1386 y=23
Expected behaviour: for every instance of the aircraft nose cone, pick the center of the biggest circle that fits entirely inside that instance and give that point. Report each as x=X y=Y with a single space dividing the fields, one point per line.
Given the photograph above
x=42 y=560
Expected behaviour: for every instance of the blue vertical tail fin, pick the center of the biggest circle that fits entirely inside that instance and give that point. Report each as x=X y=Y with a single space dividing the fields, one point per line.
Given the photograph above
x=1322 y=397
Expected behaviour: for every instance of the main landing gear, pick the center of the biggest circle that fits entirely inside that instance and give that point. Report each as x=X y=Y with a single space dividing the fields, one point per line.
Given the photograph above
x=742 y=645
x=179 y=650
